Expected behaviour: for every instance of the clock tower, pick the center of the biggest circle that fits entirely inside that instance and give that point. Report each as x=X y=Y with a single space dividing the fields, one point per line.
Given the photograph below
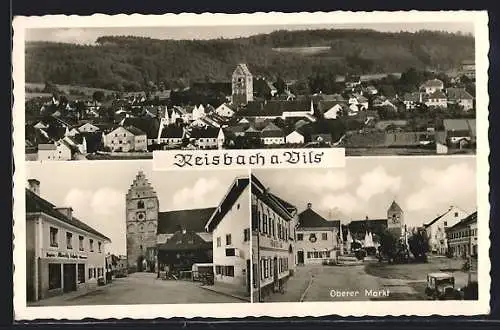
x=395 y=220
x=142 y=208
x=242 y=85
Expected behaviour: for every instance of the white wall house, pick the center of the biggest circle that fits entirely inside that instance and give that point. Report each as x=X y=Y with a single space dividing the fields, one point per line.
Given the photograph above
x=436 y=228
x=294 y=138
x=199 y=112
x=59 y=150
x=224 y=111
x=333 y=112
x=88 y=128
x=127 y=139
x=230 y=228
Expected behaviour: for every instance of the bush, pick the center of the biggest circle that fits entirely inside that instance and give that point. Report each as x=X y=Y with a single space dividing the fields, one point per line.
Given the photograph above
x=360 y=254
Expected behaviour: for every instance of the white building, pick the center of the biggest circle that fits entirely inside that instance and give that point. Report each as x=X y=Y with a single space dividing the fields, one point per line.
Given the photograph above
x=198 y=112
x=88 y=127
x=230 y=229
x=208 y=137
x=294 y=138
x=63 y=254
x=224 y=111
x=333 y=112
x=436 y=99
x=436 y=228
x=126 y=139
x=59 y=150
x=431 y=86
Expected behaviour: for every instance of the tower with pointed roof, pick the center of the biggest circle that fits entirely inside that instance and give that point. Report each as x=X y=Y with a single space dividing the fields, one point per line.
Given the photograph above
x=142 y=208
x=242 y=85
x=395 y=219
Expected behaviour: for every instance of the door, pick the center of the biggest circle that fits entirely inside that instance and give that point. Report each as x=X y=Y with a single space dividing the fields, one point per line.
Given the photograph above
x=69 y=277
x=275 y=273
x=300 y=257
x=140 y=260
x=248 y=275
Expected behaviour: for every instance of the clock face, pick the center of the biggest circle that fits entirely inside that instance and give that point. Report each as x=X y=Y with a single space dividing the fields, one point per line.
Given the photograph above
x=141 y=216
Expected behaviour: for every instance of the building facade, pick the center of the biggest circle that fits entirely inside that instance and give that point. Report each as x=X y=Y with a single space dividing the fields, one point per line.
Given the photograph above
x=437 y=227
x=63 y=254
x=462 y=237
x=242 y=85
x=317 y=239
x=273 y=244
x=127 y=139
x=230 y=228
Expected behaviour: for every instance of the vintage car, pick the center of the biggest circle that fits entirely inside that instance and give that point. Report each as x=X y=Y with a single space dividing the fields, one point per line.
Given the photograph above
x=441 y=286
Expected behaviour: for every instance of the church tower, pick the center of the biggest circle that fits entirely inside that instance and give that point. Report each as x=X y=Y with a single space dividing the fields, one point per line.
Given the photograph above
x=242 y=85
x=142 y=208
x=395 y=220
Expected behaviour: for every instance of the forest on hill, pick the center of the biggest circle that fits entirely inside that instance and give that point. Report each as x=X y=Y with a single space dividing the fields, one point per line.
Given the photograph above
x=127 y=63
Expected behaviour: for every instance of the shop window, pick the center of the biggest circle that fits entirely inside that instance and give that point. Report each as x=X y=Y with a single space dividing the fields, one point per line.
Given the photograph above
x=81 y=273
x=54 y=276
x=53 y=237
x=230 y=252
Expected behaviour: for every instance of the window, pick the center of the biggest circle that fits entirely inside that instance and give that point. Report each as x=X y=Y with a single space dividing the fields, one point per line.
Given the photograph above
x=99 y=246
x=228 y=271
x=230 y=252
x=238 y=206
x=456 y=214
x=69 y=238
x=324 y=236
x=300 y=237
x=53 y=237
x=91 y=245
x=54 y=276
x=264 y=224
x=91 y=272
x=228 y=239
x=446 y=223
x=218 y=242
x=218 y=270
x=246 y=235
x=81 y=273
x=140 y=204
x=80 y=243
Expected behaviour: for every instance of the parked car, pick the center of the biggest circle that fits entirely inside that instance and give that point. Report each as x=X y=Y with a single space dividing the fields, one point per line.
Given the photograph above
x=441 y=286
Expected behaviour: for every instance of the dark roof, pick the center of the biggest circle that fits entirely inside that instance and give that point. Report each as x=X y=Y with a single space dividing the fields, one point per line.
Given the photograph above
x=395 y=207
x=94 y=141
x=207 y=132
x=234 y=192
x=187 y=240
x=283 y=202
x=35 y=203
x=458 y=94
x=172 y=131
x=190 y=220
x=134 y=130
x=437 y=95
x=273 y=108
x=310 y=219
x=426 y=225
x=148 y=125
x=261 y=192
x=358 y=228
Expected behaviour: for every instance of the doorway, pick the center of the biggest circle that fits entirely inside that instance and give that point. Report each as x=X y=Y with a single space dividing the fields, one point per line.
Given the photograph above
x=140 y=260
x=69 y=277
x=248 y=275
x=300 y=257
x=275 y=273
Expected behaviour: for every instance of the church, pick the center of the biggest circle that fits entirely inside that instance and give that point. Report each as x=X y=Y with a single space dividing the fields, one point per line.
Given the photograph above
x=155 y=239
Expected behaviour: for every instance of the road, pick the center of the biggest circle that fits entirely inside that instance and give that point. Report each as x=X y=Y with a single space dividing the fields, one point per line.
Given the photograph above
x=142 y=288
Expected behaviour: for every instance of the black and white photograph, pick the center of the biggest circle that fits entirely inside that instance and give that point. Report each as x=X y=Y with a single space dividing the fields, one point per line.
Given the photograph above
x=379 y=229
x=373 y=89
x=123 y=234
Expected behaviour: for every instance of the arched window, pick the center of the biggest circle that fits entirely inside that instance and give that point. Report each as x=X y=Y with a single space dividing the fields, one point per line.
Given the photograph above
x=140 y=204
x=141 y=228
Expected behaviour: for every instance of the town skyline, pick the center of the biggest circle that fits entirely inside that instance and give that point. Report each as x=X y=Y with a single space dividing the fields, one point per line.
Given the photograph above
x=88 y=36
x=95 y=200
x=423 y=187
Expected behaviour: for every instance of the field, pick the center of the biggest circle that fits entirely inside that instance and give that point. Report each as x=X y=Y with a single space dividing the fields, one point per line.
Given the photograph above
x=35 y=89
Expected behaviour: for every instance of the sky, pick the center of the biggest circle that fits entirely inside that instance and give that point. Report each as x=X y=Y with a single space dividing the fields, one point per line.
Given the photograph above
x=96 y=191
x=424 y=187
x=89 y=35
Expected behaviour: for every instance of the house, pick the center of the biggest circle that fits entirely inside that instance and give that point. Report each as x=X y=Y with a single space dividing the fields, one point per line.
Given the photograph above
x=469 y=69
x=59 y=150
x=294 y=138
x=171 y=134
x=411 y=100
x=63 y=253
x=371 y=90
x=436 y=229
x=275 y=108
x=462 y=237
x=77 y=142
x=461 y=97
x=230 y=230
x=460 y=131
x=224 y=110
x=317 y=239
x=351 y=81
x=273 y=244
x=198 y=112
x=332 y=109
x=431 y=86
x=272 y=134
x=436 y=99
x=150 y=126
x=126 y=139
x=88 y=128
x=208 y=137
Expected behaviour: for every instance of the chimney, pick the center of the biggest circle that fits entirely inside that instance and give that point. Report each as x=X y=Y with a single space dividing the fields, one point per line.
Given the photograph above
x=67 y=211
x=309 y=205
x=34 y=186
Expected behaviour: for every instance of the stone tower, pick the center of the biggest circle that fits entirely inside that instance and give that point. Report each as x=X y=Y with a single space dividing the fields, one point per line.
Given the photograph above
x=395 y=220
x=242 y=85
x=142 y=208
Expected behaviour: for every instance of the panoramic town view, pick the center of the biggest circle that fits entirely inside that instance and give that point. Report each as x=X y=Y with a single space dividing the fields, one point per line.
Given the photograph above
x=371 y=231
x=185 y=243
x=371 y=92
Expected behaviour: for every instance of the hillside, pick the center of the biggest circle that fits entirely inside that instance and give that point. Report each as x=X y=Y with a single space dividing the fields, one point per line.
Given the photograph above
x=130 y=63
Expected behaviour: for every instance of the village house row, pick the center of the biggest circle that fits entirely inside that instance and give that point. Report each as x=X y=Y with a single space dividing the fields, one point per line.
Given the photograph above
x=351 y=119
x=250 y=243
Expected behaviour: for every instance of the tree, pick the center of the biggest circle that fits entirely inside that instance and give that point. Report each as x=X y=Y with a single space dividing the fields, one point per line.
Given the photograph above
x=98 y=96
x=280 y=85
x=419 y=245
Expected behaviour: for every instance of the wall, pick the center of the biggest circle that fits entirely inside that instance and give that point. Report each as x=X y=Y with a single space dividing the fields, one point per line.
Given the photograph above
x=120 y=140
x=273 y=140
x=306 y=245
x=141 y=143
x=234 y=223
x=436 y=232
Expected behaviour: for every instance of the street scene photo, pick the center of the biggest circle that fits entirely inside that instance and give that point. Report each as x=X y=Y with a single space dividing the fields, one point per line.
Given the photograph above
x=120 y=233
x=373 y=89
x=379 y=229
